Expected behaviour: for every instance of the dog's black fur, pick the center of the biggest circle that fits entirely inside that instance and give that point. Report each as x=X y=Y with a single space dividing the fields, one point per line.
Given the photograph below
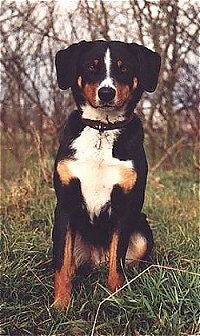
x=101 y=155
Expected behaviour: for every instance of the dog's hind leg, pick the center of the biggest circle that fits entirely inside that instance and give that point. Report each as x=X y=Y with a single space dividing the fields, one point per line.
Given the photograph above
x=140 y=244
x=115 y=277
x=63 y=246
x=63 y=277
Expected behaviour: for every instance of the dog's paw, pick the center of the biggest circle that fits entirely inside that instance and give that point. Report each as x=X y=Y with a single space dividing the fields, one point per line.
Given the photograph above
x=115 y=282
x=61 y=303
x=62 y=296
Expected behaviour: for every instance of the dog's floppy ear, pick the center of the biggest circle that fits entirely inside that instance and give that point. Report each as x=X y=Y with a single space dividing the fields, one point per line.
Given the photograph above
x=66 y=62
x=149 y=62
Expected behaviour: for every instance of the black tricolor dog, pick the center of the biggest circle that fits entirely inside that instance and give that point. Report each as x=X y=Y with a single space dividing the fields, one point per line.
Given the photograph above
x=101 y=169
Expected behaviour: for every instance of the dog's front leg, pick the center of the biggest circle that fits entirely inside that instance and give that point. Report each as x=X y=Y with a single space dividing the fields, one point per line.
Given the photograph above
x=115 y=276
x=63 y=276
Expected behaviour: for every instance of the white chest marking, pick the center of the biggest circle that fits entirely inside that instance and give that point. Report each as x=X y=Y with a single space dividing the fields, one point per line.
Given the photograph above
x=96 y=168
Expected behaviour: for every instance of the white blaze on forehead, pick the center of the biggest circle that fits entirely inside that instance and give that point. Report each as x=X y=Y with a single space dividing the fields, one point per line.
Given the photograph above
x=107 y=60
x=108 y=81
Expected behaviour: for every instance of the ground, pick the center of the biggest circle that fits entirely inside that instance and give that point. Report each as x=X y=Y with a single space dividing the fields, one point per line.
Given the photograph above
x=162 y=300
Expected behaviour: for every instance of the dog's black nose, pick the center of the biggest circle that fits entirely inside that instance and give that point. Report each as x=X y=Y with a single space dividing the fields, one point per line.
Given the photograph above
x=106 y=94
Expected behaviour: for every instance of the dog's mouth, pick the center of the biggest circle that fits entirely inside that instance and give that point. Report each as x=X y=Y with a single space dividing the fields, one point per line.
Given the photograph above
x=111 y=106
x=107 y=106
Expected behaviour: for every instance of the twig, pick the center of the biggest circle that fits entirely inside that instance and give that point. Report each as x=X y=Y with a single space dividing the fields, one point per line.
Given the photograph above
x=168 y=153
x=40 y=151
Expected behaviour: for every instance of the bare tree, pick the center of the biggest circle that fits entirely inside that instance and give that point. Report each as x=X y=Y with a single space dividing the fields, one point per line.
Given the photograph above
x=172 y=30
x=32 y=32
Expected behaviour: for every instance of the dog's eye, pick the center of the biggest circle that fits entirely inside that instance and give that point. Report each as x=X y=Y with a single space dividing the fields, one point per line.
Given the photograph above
x=121 y=66
x=91 y=67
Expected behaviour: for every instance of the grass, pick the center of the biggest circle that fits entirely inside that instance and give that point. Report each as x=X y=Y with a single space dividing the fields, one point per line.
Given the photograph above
x=163 y=300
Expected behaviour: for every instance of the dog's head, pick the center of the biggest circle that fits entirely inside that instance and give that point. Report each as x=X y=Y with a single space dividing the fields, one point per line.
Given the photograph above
x=107 y=77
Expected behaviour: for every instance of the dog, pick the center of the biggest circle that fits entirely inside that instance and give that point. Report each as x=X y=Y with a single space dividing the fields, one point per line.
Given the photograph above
x=101 y=168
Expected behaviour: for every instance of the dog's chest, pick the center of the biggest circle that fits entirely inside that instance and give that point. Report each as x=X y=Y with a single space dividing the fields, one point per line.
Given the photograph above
x=96 y=168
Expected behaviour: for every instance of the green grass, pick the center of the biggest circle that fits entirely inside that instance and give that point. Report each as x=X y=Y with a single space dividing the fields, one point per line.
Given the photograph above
x=164 y=300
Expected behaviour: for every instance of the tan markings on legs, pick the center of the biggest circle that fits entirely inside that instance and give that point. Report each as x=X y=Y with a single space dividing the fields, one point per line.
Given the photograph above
x=128 y=178
x=137 y=249
x=62 y=282
x=64 y=171
x=115 y=279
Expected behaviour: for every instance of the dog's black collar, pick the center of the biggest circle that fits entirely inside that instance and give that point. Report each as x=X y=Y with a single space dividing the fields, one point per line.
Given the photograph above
x=103 y=126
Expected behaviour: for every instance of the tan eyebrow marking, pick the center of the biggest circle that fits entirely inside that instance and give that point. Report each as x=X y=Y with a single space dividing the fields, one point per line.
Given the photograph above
x=119 y=63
